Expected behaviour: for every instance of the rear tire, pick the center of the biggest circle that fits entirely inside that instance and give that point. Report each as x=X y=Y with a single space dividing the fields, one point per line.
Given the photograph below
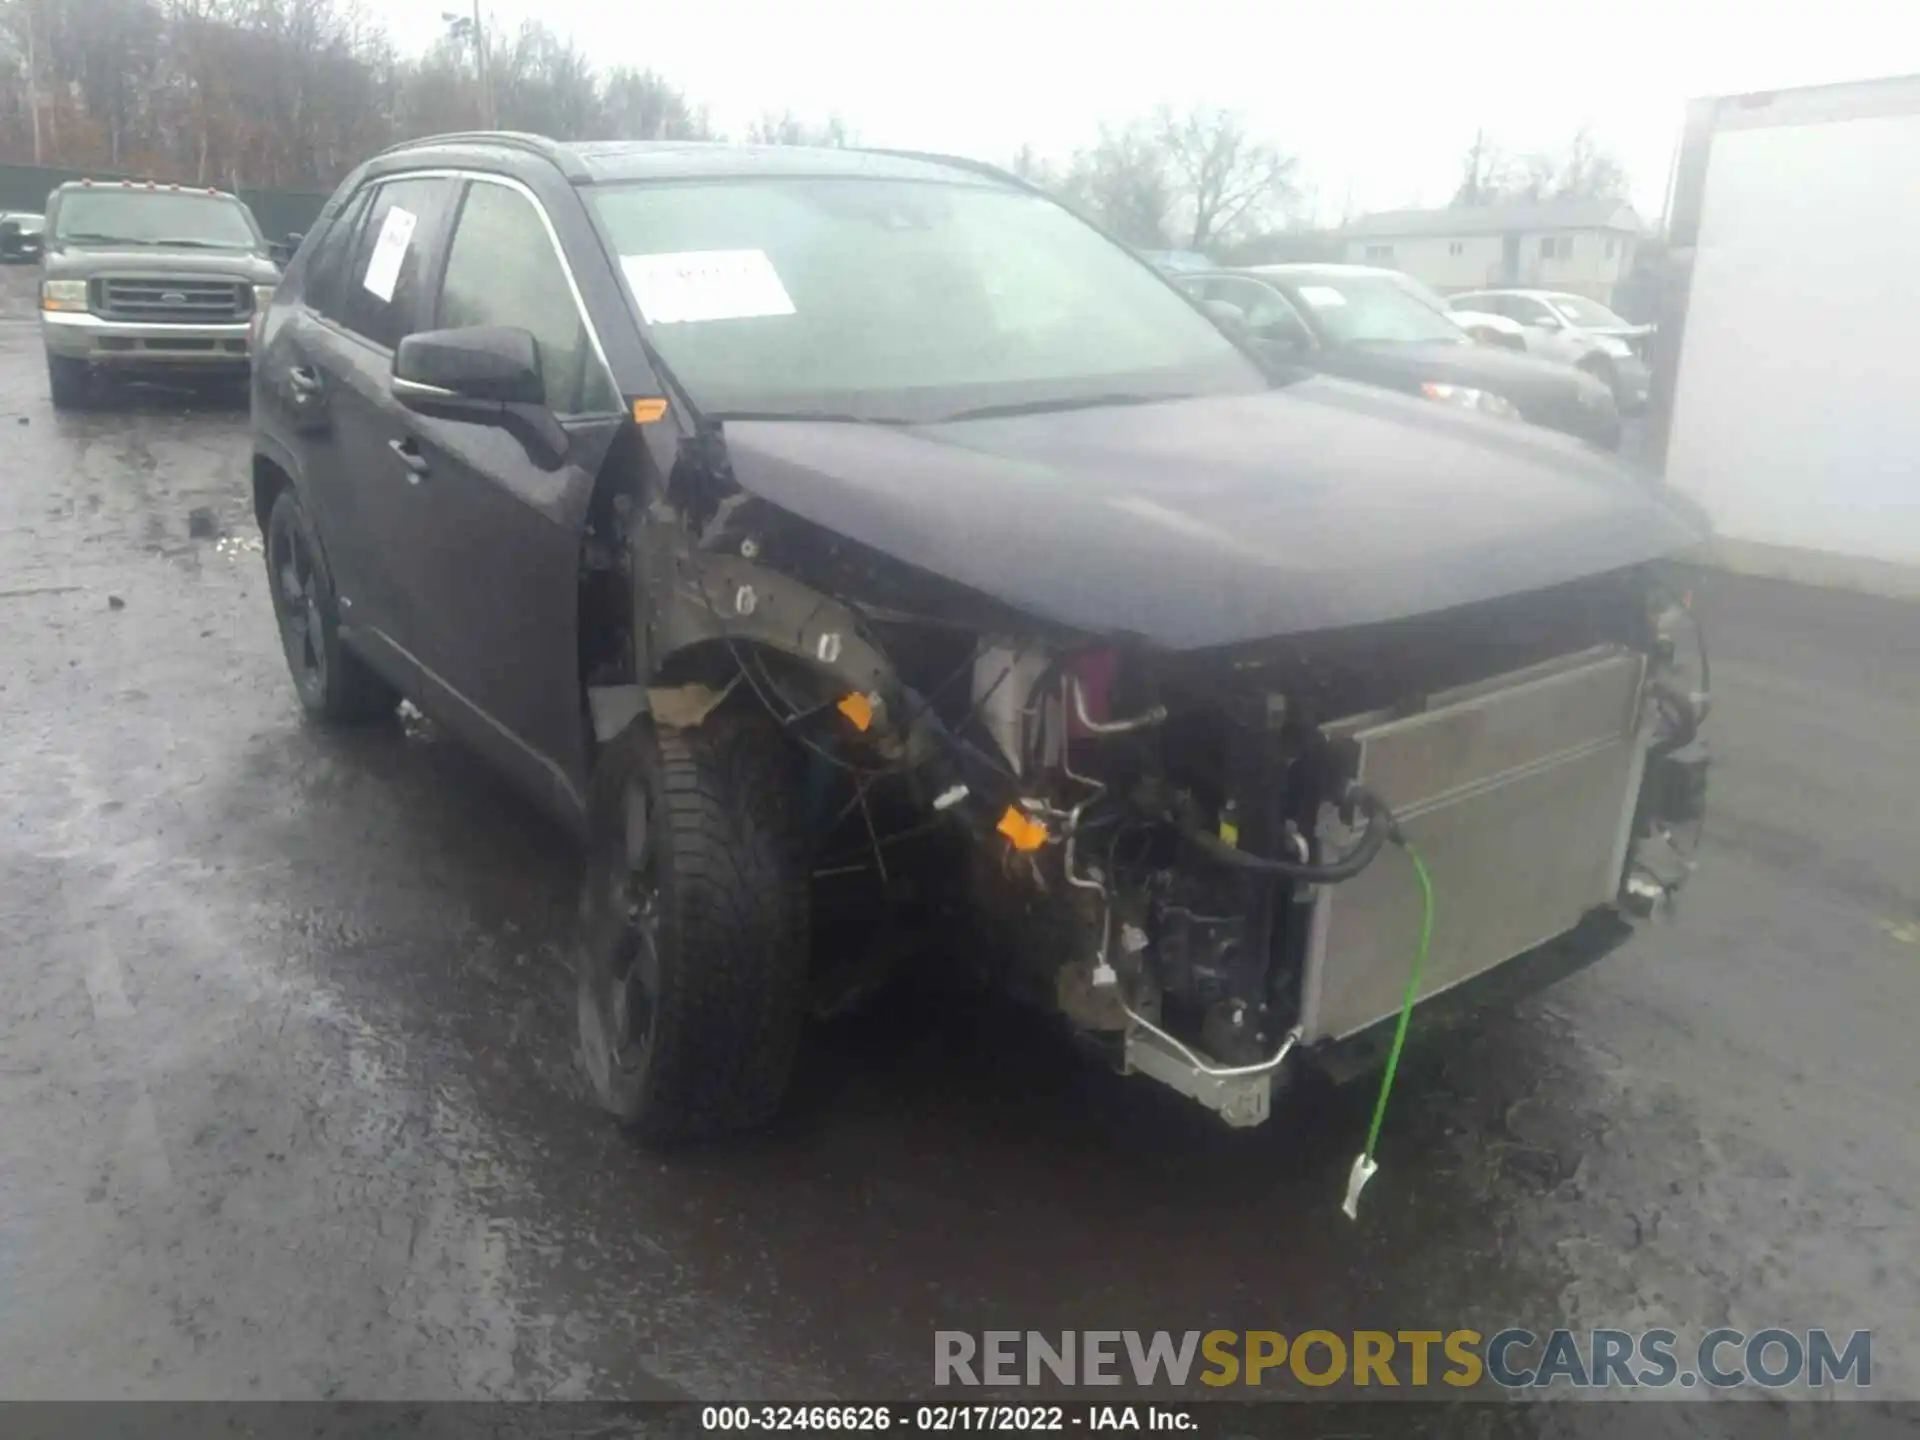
x=334 y=684
x=67 y=381
x=694 y=928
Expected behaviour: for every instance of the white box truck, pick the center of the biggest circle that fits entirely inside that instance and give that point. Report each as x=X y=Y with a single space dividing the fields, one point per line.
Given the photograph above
x=1786 y=393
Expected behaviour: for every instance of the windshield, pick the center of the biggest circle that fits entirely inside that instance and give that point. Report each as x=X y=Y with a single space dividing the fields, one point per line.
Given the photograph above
x=1370 y=309
x=146 y=217
x=1578 y=310
x=901 y=300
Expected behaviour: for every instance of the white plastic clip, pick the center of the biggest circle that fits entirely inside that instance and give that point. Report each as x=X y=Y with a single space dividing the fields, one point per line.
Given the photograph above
x=1357 y=1178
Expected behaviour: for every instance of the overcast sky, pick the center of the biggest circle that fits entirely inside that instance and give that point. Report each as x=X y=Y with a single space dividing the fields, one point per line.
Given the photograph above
x=1379 y=101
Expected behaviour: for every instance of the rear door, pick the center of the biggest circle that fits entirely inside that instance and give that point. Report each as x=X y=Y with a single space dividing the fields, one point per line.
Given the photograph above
x=291 y=400
x=366 y=491
x=500 y=559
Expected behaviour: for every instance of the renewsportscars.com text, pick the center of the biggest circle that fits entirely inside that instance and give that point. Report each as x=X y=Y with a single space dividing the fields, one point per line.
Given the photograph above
x=1514 y=1358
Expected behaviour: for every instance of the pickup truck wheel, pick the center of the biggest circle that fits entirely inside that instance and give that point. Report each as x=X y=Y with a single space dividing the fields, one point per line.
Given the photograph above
x=334 y=684
x=694 y=928
x=67 y=380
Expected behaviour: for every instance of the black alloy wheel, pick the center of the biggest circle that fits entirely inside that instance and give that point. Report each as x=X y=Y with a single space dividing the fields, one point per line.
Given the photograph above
x=333 y=683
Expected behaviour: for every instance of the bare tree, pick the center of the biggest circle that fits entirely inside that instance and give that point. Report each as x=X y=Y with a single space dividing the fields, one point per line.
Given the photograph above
x=1123 y=183
x=1589 y=173
x=640 y=105
x=786 y=128
x=1485 y=170
x=1580 y=171
x=1228 y=183
x=546 y=84
x=1033 y=167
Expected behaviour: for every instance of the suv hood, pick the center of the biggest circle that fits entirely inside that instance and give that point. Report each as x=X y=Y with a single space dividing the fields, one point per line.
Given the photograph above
x=1213 y=521
x=1513 y=373
x=80 y=262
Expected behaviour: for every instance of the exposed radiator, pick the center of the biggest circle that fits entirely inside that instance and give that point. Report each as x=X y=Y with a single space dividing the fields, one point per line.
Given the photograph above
x=1519 y=793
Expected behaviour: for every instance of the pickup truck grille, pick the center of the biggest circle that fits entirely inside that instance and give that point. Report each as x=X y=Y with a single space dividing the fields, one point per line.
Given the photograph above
x=180 y=302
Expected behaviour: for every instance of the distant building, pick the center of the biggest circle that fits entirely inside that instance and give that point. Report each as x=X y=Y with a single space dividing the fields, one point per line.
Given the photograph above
x=1582 y=246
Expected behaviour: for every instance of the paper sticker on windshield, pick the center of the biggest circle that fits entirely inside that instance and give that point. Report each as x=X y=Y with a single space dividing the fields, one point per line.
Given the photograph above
x=706 y=285
x=383 y=270
x=1322 y=297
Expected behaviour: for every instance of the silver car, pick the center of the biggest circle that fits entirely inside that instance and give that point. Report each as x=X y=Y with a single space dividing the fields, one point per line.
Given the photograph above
x=1576 y=330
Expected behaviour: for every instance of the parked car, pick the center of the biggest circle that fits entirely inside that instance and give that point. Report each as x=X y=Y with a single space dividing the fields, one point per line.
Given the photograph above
x=1577 y=330
x=789 y=520
x=141 y=278
x=20 y=233
x=1372 y=325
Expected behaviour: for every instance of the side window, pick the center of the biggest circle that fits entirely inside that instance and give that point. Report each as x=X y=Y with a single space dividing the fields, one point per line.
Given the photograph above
x=1266 y=312
x=502 y=269
x=327 y=270
x=1527 y=310
x=385 y=289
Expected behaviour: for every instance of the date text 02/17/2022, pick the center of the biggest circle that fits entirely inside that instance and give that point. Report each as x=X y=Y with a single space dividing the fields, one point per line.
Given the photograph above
x=941 y=1419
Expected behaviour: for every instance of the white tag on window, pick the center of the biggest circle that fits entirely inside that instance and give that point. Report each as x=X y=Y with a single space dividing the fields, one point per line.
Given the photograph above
x=383 y=269
x=706 y=285
x=1322 y=297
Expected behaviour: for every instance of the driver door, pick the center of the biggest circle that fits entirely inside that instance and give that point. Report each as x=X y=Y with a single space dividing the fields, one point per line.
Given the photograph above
x=502 y=531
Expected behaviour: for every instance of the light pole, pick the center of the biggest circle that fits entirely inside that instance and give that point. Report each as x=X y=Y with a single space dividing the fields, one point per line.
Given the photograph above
x=459 y=25
x=33 y=84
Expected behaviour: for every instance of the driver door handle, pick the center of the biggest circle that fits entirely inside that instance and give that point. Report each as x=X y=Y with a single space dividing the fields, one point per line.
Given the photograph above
x=303 y=381
x=410 y=456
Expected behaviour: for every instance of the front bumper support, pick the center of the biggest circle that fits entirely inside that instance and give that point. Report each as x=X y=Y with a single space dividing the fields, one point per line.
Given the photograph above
x=81 y=336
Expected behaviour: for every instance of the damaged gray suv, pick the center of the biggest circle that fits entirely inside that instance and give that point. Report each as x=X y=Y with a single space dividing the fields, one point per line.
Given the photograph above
x=835 y=539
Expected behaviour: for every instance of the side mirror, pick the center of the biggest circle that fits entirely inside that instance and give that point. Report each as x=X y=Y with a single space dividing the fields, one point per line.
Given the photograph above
x=484 y=375
x=281 y=251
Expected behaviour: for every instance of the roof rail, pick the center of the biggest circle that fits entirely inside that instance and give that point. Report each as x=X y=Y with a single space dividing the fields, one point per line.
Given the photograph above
x=958 y=162
x=523 y=140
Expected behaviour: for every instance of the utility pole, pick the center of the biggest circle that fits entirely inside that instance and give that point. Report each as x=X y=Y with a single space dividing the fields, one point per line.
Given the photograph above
x=473 y=29
x=486 y=70
x=33 y=84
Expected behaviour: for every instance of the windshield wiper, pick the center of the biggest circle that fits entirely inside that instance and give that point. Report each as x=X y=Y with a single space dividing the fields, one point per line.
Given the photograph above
x=1044 y=407
x=198 y=245
x=90 y=237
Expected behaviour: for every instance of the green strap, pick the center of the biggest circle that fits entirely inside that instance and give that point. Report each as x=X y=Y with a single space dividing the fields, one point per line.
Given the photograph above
x=1406 y=1002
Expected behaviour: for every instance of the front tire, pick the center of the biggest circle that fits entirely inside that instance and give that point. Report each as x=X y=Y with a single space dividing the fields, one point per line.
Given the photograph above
x=694 y=928
x=1602 y=368
x=334 y=684
x=67 y=381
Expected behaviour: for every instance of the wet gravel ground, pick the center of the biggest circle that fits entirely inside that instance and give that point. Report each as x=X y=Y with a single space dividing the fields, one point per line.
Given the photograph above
x=291 y=1109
